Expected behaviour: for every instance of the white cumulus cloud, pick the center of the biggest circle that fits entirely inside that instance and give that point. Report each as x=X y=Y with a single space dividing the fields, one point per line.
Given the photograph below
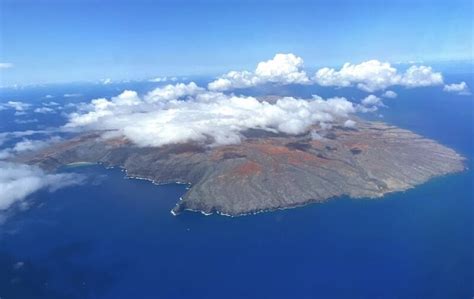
x=372 y=100
x=369 y=75
x=282 y=69
x=172 y=92
x=370 y=103
x=418 y=76
x=459 y=88
x=390 y=94
x=374 y=75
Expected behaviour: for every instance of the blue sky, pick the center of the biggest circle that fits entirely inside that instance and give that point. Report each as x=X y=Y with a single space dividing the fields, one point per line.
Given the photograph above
x=61 y=41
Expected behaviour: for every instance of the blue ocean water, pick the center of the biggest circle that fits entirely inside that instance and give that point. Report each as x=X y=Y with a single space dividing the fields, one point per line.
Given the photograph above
x=116 y=238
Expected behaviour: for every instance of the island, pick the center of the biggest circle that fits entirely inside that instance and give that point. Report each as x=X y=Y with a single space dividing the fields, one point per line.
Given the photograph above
x=269 y=170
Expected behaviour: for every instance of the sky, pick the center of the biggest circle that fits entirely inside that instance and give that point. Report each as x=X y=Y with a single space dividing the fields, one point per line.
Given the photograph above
x=64 y=41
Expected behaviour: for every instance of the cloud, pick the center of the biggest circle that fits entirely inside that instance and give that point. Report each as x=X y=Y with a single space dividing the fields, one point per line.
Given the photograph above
x=372 y=100
x=49 y=104
x=7 y=136
x=44 y=110
x=158 y=79
x=26 y=145
x=16 y=105
x=459 y=88
x=49 y=107
x=25 y=121
x=418 y=76
x=33 y=145
x=169 y=92
x=370 y=103
x=164 y=79
x=370 y=76
x=5 y=154
x=5 y=65
x=390 y=94
x=17 y=181
x=4 y=136
x=374 y=75
x=72 y=95
x=282 y=69
x=106 y=81
x=185 y=112
x=349 y=123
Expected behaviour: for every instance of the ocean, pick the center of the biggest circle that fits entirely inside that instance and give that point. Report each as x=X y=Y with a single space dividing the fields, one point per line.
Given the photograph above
x=115 y=237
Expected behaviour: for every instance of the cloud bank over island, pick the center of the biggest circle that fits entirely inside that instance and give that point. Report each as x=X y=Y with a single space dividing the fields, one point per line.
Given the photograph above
x=185 y=112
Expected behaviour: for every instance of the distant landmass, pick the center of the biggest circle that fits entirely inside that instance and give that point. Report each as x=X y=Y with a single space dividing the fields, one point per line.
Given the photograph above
x=267 y=170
